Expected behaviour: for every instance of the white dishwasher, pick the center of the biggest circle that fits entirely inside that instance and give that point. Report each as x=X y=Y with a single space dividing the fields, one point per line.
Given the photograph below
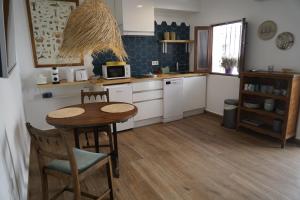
x=173 y=99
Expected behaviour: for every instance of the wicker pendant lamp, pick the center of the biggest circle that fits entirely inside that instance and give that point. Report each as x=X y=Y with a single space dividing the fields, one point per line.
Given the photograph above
x=91 y=28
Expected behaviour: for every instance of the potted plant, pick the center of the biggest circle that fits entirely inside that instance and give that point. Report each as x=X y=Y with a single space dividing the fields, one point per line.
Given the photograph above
x=228 y=64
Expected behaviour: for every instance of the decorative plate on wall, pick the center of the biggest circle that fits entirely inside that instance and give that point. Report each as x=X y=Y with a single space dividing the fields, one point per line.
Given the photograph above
x=285 y=40
x=267 y=30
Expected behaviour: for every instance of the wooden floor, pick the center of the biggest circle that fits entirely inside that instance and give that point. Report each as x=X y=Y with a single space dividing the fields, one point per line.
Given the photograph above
x=195 y=158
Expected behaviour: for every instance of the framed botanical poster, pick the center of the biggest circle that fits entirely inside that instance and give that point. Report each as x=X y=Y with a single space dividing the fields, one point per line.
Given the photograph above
x=47 y=21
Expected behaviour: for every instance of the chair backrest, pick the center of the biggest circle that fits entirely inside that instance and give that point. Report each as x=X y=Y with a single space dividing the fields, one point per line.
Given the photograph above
x=50 y=145
x=104 y=96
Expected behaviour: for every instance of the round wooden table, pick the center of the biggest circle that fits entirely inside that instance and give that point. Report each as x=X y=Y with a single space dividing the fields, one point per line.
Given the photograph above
x=93 y=117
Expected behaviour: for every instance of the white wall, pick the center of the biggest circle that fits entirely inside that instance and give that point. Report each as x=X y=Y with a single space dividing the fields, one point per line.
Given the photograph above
x=36 y=108
x=259 y=53
x=14 y=139
x=185 y=5
x=172 y=16
x=217 y=93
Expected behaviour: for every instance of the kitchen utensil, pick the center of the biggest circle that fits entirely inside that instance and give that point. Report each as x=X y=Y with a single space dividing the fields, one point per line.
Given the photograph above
x=165 y=70
x=270 y=89
x=251 y=105
x=70 y=75
x=264 y=88
x=253 y=122
x=277 y=125
x=276 y=92
x=42 y=79
x=166 y=35
x=269 y=105
x=280 y=111
x=81 y=75
x=283 y=92
x=55 y=76
x=173 y=35
x=257 y=88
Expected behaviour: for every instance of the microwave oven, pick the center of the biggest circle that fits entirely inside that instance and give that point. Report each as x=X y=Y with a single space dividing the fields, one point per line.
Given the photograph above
x=116 y=70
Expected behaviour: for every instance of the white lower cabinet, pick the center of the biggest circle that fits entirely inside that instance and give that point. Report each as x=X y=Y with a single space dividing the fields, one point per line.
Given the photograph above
x=149 y=109
x=147 y=97
x=194 y=93
x=121 y=93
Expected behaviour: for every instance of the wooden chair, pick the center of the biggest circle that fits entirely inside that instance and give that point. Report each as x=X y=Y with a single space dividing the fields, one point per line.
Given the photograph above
x=56 y=158
x=104 y=96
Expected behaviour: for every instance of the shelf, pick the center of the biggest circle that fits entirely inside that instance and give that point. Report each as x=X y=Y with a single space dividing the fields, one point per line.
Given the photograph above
x=276 y=97
x=61 y=84
x=262 y=130
x=264 y=113
x=177 y=41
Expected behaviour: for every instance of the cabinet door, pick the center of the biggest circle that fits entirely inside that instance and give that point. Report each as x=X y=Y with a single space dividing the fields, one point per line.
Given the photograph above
x=138 y=17
x=121 y=93
x=194 y=93
x=147 y=85
x=149 y=109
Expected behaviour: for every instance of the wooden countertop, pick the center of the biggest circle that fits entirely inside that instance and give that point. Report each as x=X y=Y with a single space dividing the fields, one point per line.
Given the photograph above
x=102 y=81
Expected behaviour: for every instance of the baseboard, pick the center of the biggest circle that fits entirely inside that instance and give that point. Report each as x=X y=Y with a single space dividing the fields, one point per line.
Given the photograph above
x=296 y=141
x=157 y=120
x=147 y=122
x=193 y=112
x=214 y=114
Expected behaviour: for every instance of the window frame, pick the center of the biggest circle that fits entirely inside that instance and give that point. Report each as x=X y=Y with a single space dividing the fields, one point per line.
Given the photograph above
x=241 y=59
x=209 y=47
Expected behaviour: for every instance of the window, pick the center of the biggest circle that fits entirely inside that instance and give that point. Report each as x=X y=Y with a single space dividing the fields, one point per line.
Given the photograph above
x=220 y=48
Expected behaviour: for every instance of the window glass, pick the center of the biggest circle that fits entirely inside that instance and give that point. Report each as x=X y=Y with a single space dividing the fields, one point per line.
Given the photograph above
x=226 y=48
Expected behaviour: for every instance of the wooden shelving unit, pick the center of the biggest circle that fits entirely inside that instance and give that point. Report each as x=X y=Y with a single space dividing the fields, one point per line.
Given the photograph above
x=166 y=42
x=177 y=41
x=287 y=81
x=271 y=96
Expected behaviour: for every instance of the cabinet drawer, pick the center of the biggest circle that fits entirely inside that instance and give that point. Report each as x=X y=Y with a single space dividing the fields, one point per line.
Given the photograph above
x=149 y=109
x=148 y=85
x=148 y=95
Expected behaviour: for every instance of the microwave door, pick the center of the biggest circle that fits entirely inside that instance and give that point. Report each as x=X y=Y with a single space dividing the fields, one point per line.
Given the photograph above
x=115 y=72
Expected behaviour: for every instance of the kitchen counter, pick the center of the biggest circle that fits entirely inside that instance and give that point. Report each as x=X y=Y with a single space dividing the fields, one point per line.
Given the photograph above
x=105 y=82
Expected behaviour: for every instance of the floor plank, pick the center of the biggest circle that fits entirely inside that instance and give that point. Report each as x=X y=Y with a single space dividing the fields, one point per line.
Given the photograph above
x=195 y=158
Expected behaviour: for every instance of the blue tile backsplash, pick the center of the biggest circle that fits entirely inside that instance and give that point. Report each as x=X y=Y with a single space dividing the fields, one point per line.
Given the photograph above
x=142 y=50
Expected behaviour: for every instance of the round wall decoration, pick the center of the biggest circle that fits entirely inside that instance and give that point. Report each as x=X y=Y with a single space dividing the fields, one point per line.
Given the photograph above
x=285 y=40
x=267 y=30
